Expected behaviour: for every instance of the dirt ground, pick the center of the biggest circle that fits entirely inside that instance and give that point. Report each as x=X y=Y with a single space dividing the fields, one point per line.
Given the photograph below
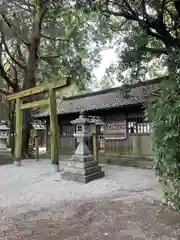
x=105 y=219
x=124 y=205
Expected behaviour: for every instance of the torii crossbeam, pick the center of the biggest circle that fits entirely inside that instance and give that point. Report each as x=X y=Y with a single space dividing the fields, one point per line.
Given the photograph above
x=51 y=88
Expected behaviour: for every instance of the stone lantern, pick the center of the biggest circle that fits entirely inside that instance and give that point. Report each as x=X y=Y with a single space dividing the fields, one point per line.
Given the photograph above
x=5 y=154
x=82 y=166
x=4 y=134
x=37 y=128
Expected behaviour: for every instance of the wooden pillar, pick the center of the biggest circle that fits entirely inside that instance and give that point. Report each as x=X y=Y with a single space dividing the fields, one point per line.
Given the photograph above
x=36 y=139
x=95 y=147
x=47 y=137
x=59 y=140
x=18 y=136
x=53 y=130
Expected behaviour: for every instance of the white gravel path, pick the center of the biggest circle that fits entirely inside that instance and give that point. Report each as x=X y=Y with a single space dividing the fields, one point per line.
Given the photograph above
x=32 y=186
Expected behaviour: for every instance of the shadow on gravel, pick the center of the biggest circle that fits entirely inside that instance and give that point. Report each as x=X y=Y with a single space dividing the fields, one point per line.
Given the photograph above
x=103 y=219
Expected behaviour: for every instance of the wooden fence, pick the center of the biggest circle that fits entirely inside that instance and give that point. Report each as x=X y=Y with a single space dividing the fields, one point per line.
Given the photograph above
x=132 y=148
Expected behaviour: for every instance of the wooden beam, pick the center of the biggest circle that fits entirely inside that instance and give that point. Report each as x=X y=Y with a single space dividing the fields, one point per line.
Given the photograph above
x=18 y=137
x=47 y=138
x=95 y=146
x=36 y=141
x=35 y=104
x=37 y=148
x=38 y=89
x=53 y=128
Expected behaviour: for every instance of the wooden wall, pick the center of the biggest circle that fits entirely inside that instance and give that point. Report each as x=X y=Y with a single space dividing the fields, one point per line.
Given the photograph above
x=133 y=148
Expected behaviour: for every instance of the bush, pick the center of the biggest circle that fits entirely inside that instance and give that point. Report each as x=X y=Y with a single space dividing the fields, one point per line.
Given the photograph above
x=165 y=117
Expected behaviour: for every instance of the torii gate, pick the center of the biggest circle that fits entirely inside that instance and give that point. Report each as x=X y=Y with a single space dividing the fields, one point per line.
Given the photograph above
x=51 y=88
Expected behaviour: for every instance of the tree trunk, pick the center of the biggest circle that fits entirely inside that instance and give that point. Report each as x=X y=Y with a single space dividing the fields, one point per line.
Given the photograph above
x=26 y=133
x=29 y=82
x=30 y=73
x=12 y=126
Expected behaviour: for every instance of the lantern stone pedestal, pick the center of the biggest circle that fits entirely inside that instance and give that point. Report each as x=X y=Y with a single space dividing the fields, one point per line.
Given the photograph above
x=5 y=154
x=82 y=167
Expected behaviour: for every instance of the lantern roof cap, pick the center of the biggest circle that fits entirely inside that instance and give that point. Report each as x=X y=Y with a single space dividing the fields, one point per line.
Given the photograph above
x=85 y=119
x=38 y=125
x=82 y=119
x=4 y=126
x=97 y=120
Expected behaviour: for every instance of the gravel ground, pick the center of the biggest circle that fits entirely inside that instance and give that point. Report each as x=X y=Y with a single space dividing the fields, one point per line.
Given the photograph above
x=39 y=205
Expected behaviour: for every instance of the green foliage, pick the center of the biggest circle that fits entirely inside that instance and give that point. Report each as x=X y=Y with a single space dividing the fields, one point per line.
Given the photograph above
x=151 y=34
x=43 y=41
x=70 y=41
x=164 y=114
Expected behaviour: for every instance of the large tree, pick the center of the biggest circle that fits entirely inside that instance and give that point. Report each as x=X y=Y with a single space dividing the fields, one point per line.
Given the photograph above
x=148 y=29
x=43 y=41
x=151 y=32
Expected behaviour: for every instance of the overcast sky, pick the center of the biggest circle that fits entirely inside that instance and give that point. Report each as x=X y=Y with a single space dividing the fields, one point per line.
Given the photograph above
x=108 y=56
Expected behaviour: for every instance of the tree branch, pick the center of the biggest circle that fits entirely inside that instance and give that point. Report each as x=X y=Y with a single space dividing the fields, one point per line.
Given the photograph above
x=148 y=24
x=126 y=15
x=15 y=72
x=161 y=11
x=52 y=38
x=162 y=32
x=10 y=55
x=11 y=25
x=21 y=6
x=7 y=79
x=43 y=13
x=21 y=57
x=3 y=92
x=114 y=3
x=130 y=8
x=153 y=34
x=144 y=10
x=155 y=50
x=48 y=57
x=177 y=6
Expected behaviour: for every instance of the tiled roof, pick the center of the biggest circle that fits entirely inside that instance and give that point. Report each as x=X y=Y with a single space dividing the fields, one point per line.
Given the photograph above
x=111 y=98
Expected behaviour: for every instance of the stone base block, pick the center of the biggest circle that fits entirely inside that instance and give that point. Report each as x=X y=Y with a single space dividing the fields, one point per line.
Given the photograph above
x=80 y=178
x=17 y=163
x=83 y=172
x=82 y=165
x=6 y=157
x=82 y=158
x=54 y=168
